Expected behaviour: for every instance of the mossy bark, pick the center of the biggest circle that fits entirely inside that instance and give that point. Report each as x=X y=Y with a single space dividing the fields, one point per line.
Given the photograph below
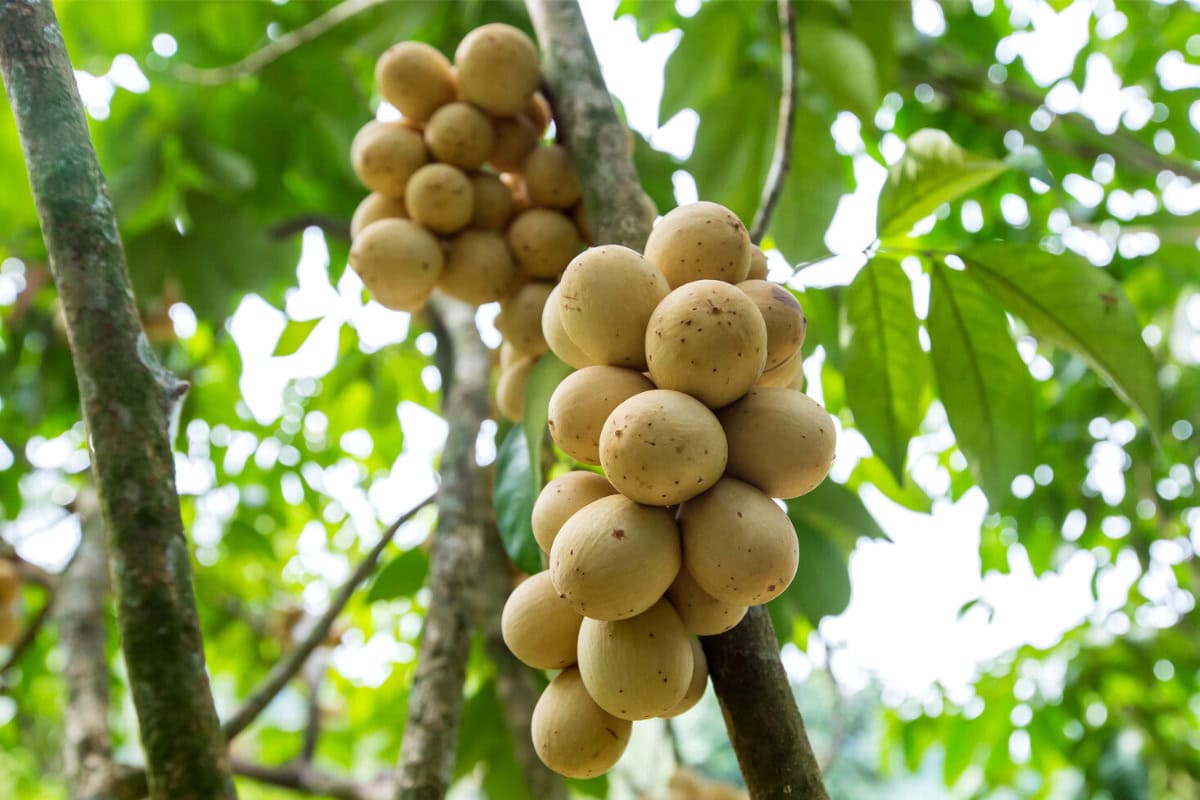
x=125 y=408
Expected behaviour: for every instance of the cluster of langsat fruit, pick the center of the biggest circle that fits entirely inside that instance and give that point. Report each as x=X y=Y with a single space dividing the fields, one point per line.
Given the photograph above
x=464 y=196
x=10 y=588
x=687 y=393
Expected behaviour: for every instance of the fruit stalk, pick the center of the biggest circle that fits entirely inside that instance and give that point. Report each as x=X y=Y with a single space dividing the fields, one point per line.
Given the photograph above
x=124 y=405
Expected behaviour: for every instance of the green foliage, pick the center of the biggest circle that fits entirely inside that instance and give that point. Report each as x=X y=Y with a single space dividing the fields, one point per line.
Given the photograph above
x=515 y=493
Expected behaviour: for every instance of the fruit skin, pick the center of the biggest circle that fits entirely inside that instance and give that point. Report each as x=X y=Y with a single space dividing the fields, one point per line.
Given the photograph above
x=385 y=155
x=708 y=339
x=662 y=447
x=580 y=405
x=699 y=683
x=514 y=138
x=497 y=68
x=636 y=668
x=785 y=320
x=398 y=261
x=509 y=355
x=373 y=207
x=440 y=197
x=493 y=204
x=571 y=734
x=10 y=583
x=561 y=498
x=543 y=241
x=608 y=294
x=758 y=264
x=698 y=241
x=614 y=558
x=520 y=318
x=556 y=336
x=786 y=374
x=702 y=614
x=550 y=177
x=780 y=440
x=539 y=113
x=479 y=268
x=415 y=78
x=539 y=627
x=460 y=134
x=510 y=389
x=738 y=545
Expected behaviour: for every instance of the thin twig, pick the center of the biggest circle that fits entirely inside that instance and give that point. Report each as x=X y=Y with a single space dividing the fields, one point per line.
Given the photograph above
x=256 y=61
x=28 y=636
x=286 y=669
x=334 y=227
x=303 y=777
x=673 y=740
x=314 y=677
x=781 y=161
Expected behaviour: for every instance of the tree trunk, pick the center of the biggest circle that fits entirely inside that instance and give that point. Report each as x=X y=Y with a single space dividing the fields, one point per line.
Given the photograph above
x=125 y=406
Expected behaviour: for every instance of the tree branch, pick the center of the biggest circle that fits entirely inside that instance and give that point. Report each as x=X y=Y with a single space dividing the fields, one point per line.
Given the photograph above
x=125 y=408
x=426 y=763
x=287 y=667
x=79 y=614
x=586 y=118
x=303 y=777
x=781 y=161
x=313 y=678
x=333 y=227
x=764 y=724
x=256 y=61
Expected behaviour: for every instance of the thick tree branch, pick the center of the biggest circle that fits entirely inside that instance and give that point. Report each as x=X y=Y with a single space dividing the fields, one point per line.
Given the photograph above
x=781 y=160
x=125 y=410
x=426 y=763
x=287 y=667
x=79 y=614
x=285 y=44
x=760 y=711
x=516 y=684
x=588 y=121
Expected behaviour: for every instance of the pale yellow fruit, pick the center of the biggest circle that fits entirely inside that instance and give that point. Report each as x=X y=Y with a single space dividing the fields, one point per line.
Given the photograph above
x=373 y=207
x=10 y=582
x=580 y=405
x=479 y=268
x=398 y=261
x=561 y=498
x=571 y=734
x=440 y=197
x=556 y=336
x=497 y=68
x=702 y=614
x=608 y=295
x=614 y=558
x=510 y=389
x=520 y=318
x=385 y=155
x=460 y=134
x=543 y=241
x=699 y=683
x=707 y=338
x=780 y=440
x=515 y=137
x=509 y=355
x=738 y=545
x=579 y=214
x=539 y=113
x=415 y=78
x=539 y=627
x=662 y=447
x=785 y=320
x=636 y=668
x=550 y=177
x=700 y=241
x=493 y=202
x=10 y=625
x=785 y=374
x=758 y=264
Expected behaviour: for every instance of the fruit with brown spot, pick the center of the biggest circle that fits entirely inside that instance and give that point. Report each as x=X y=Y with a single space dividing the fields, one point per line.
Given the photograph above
x=550 y=177
x=415 y=78
x=556 y=336
x=785 y=320
x=373 y=207
x=582 y=402
x=479 y=268
x=440 y=197
x=699 y=683
x=398 y=261
x=702 y=614
x=539 y=627
x=497 y=68
x=561 y=498
x=493 y=205
x=571 y=734
x=543 y=241
x=780 y=440
x=385 y=156
x=700 y=241
x=460 y=134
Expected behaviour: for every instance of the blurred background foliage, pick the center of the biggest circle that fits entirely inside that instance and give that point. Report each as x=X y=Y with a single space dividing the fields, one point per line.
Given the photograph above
x=215 y=173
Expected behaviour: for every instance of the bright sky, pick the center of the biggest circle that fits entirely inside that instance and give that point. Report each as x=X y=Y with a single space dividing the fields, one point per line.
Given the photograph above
x=902 y=627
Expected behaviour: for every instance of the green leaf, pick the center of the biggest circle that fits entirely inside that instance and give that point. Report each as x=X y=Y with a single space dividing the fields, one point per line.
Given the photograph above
x=590 y=787
x=402 y=576
x=984 y=385
x=960 y=745
x=905 y=492
x=1067 y=301
x=547 y=373
x=933 y=170
x=513 y=499
x=842 y=64
x=886 y=370
x=294 y=336
x=837 y=512
x=822 y=585
x=812 y=190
